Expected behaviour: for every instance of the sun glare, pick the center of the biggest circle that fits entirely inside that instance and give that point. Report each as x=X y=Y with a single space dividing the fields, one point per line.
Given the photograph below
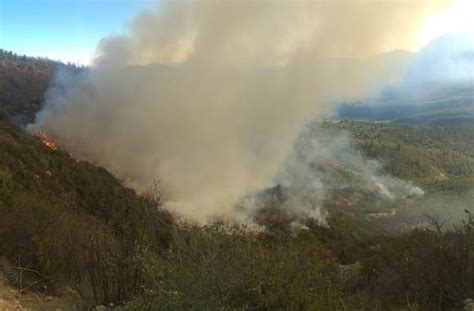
x=457 y=17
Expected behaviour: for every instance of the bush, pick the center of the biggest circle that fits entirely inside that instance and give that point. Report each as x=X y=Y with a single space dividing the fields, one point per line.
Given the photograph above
x=73 y=223
x=431 y=269
x=221 y=266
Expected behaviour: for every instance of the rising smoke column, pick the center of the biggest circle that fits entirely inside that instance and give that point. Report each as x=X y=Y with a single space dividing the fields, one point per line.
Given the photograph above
x=207 y=96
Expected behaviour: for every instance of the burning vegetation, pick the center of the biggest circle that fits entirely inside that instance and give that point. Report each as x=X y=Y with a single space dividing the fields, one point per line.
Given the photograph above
x=45 y=138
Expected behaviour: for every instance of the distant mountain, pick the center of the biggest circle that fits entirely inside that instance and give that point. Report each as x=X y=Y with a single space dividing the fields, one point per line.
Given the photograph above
x=436 y=89
x=448 y=59
x=441 y=111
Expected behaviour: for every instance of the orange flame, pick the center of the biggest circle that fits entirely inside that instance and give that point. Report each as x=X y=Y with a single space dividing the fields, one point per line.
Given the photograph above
x=45 y=139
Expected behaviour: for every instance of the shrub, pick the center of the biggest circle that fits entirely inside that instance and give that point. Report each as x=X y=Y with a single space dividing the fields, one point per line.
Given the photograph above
x=229 y=267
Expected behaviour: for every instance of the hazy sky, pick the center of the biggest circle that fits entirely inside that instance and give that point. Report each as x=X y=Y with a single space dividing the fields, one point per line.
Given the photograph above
x=67 y=30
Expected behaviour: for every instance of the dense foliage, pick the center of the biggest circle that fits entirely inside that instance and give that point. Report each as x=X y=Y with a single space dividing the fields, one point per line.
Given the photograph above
x=69 y=223
x=433 y=156
x=320 y=268
x=23 y=82
x=73 y=222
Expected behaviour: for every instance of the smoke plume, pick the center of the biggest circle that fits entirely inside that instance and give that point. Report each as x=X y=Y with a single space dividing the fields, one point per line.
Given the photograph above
x=208 y=96
x=323 y=164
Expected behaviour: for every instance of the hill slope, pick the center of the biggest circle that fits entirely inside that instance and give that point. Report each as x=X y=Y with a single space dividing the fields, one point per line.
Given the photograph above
x=23 y=82
x=71 y=221
x=416 y=153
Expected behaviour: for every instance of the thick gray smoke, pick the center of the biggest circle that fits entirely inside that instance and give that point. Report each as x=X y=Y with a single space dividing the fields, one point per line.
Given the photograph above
x=207 y=96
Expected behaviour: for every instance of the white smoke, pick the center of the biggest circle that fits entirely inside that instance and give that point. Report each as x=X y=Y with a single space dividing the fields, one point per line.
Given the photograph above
x=207 y=96
x=322 y=162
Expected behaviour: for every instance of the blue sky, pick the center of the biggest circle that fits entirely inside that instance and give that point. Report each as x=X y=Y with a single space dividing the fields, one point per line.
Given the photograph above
x=68 y=30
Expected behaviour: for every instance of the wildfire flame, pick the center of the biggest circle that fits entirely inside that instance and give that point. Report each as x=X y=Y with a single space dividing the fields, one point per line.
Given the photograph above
x=48 y=142
x=45 y=139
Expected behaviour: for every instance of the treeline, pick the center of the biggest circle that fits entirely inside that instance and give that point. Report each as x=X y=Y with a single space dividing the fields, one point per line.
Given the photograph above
x=23 y=83
x=39 y=62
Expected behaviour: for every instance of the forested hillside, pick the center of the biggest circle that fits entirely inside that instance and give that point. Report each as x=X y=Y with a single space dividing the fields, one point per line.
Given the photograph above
x=69 y=225
x=455 y=109
x=420 y=153
x=23 y=82
x=373 y=254
x=70 y=221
